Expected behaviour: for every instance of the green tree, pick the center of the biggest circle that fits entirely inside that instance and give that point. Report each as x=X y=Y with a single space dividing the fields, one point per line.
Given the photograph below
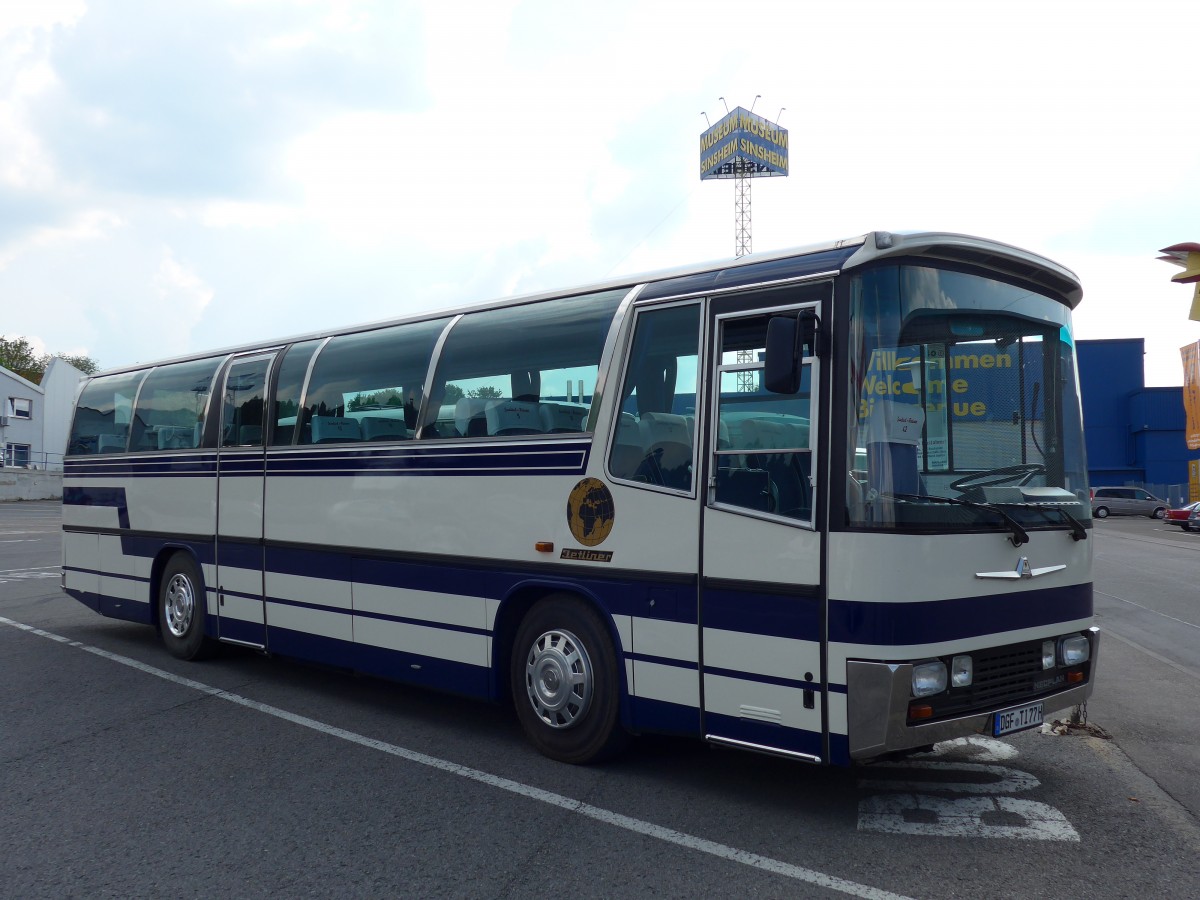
x=17 y=355
x=486 y=392
x=84 y=364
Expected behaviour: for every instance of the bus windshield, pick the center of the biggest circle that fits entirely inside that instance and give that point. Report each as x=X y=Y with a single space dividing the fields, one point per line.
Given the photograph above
x=965 y=406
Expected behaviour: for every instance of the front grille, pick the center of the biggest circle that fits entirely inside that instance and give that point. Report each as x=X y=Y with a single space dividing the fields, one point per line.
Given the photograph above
x=1003 y=676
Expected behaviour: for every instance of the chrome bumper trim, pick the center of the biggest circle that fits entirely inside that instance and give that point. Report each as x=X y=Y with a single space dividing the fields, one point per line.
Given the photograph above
x=879 y=694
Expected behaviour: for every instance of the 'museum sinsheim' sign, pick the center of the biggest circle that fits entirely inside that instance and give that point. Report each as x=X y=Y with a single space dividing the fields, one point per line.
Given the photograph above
x=761 y=145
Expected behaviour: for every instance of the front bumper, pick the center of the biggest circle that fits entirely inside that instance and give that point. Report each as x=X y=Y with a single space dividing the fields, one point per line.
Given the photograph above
x=878 y=696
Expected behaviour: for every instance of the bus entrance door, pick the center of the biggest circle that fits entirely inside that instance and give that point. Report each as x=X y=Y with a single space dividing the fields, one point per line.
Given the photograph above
x=761 y=607
x=241 y=471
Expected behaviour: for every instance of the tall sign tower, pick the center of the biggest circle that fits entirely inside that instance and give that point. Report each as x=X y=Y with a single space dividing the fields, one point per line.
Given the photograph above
x=742 y=146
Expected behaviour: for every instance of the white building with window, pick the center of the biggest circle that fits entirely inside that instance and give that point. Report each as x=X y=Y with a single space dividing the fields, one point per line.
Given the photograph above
x=36 y=418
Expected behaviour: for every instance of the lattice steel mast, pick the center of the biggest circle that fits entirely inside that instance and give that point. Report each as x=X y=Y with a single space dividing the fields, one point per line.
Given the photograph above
x=742 y=146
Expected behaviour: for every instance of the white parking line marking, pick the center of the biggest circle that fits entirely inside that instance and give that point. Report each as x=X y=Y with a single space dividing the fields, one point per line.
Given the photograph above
x=963 y=817
x=597 y=813
x=1149 y=610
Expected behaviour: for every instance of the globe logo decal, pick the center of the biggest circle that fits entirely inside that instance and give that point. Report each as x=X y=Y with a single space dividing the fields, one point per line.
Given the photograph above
x=590 y=512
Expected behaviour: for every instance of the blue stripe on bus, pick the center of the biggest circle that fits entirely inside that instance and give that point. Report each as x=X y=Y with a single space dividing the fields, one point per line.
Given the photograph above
x=741 y=675
x=662 y=717
x=99 y=496
x=240 y=630
x=663 y=661
x=189 y=465
x=839 y=749
x=880 y=624
x=527 y=458
x=774 y=614
x=240 y=554
x=934 y=621
x=428 y=671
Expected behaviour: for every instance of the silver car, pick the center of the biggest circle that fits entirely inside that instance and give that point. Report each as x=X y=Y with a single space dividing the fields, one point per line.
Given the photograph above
x=1126 y=501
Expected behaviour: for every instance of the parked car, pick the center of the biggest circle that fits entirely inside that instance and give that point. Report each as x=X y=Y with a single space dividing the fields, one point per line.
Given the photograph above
x=1181 y=515
x=1193 y=522
x=1126 y=501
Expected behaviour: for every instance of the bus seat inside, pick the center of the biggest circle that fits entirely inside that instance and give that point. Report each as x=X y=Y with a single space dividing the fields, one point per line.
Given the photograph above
x=469 y=416
x=379 y=428
x=334 y=429
x=513 y=417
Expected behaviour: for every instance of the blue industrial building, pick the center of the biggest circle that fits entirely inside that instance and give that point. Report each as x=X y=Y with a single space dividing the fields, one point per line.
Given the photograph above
x=1134 y=434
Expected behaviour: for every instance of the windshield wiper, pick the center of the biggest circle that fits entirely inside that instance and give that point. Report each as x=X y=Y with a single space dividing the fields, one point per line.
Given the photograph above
x=1018 y=536
x=1078 y=532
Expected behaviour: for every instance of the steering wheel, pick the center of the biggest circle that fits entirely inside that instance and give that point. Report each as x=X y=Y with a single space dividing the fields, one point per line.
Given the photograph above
x=974 y=483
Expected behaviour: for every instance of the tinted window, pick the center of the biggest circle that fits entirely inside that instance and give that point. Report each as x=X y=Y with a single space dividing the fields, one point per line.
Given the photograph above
x=368 y=386
x=287 y=392
x=244 y=403
x=103 y=414
x=171 y=406
x=763 y=451
x=521 y=370
x=656 y=425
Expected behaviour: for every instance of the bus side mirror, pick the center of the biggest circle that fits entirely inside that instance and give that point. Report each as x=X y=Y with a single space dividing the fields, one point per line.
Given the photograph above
x=787 y=336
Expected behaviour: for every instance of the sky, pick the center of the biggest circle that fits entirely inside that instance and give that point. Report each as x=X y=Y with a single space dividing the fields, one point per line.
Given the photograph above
x=183 y=176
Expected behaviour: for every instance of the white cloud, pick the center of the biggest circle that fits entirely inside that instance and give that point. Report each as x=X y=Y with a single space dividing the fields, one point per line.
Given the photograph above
x=181 y=289
x=85 y=225
x=310 y=164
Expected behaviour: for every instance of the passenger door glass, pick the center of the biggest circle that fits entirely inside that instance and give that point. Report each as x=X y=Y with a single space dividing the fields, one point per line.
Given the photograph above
x=655 y=431
x=763 y=440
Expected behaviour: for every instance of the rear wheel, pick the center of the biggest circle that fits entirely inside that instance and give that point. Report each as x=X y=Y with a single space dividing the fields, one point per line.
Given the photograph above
x=1100 y=512
x=565 y=682
x=181 y=609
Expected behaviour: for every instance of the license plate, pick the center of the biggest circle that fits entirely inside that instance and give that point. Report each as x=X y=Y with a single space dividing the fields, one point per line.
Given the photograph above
x=1009 y=720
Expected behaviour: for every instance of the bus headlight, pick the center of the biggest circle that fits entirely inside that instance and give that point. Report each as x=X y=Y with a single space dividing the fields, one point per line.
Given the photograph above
x=962 y=671
x=1048 y=659
x=928 y=678
x=1074 y=650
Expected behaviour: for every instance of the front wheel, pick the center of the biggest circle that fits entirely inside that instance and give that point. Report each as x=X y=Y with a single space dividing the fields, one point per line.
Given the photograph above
x=565 y=682
x=181 y=609
x=1159 y=513
x=1100 y=512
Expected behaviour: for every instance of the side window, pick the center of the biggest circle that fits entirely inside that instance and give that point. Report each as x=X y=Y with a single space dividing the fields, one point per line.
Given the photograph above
x=523 y=370
x=368 y=386
x=287 y=391
x=103 y=414
x=763 y=448
x=171 y=406
x=655 y=430
x=20 y=408
x=243 y=408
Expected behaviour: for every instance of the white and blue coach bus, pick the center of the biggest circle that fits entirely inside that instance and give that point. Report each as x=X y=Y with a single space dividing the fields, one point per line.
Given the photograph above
x=829 y=504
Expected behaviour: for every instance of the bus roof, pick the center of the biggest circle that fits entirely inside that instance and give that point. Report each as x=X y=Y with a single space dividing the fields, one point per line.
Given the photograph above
x=779 y=265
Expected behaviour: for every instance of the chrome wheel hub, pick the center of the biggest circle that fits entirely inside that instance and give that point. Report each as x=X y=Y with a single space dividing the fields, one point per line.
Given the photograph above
x=558 y=678
x=179 y=605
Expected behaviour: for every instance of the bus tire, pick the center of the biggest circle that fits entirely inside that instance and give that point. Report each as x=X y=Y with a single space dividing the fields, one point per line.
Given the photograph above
x=565 y=682
x=181 y=609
